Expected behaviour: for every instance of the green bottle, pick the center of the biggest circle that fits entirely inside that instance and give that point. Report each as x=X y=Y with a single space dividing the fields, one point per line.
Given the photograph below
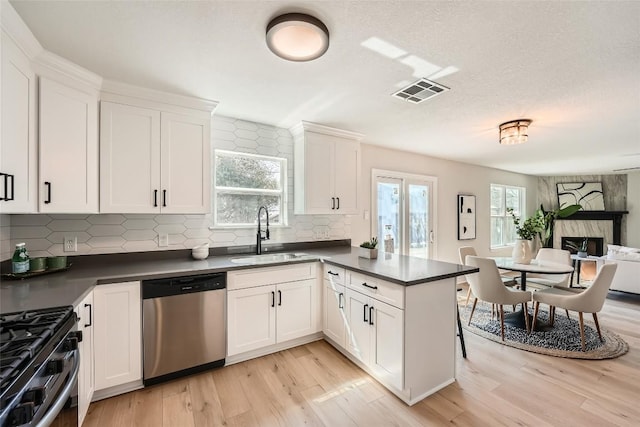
x=20 y=260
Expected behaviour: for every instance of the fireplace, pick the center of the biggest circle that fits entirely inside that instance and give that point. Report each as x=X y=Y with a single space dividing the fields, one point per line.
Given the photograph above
x=595 y=245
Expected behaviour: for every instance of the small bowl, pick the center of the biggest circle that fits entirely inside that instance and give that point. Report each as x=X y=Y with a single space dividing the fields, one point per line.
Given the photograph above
x=37 y=264
x=200 y=252
x=56 y=262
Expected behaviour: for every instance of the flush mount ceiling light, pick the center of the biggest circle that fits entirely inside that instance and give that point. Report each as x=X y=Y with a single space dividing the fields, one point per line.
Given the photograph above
x=297 y=37
x=514 y=132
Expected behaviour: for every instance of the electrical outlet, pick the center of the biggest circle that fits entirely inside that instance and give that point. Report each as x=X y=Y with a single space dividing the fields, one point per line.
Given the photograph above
x=326 y=233
x=70 y=244
x=163 y=239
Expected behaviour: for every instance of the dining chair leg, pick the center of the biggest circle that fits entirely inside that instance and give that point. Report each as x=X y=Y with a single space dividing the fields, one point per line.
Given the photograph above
x=473 y=308
x=595 y=320
x=460 y=334
x=536 y=307
x=567 y=313
x=502 y=321
x=466 y=303
x=552 y=315
x=526 y=316
x=584 y=347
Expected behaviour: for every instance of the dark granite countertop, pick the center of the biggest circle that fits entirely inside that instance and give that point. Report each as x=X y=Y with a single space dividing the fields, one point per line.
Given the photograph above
x=71 y=286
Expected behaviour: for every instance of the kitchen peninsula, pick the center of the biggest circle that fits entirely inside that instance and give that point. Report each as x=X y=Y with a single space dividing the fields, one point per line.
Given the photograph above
x=396 y=313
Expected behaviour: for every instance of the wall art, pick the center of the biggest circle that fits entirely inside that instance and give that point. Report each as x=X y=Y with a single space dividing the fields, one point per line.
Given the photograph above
x=466 y=217
x=589 y=195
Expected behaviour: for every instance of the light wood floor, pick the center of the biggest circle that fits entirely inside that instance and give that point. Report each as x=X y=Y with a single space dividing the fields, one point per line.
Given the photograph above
x=315 y=385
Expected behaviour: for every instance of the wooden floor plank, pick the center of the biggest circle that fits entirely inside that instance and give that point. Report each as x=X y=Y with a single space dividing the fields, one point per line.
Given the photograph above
x=148 y=407
x=207 y=409
x=177 y=409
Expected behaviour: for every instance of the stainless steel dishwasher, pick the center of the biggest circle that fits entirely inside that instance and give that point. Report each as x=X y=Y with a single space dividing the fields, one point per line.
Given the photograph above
x=183 y=325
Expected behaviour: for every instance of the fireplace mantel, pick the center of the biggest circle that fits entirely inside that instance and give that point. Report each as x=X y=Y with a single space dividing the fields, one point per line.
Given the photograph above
x=615 y=216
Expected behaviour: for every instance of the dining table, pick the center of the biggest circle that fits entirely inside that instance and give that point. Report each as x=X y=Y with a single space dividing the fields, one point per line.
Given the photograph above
x=535 y=266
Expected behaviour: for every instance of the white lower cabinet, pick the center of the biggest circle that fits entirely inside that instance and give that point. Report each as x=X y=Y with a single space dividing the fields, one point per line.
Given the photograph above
x=261 y=313
x=118 y=337
x=334 y=313
x=376 y=336
x=86 y=380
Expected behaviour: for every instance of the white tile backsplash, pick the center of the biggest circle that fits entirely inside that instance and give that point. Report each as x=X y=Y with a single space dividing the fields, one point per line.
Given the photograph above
x=109 y=233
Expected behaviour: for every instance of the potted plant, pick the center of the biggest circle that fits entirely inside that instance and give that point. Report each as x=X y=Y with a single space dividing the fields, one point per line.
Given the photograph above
x=526 y=231
x=546 y=235
x=581 y=248
x=368 y=249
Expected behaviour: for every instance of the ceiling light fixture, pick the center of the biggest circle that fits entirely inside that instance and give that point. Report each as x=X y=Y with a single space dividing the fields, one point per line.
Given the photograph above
x=514 y=132
x=297 y=37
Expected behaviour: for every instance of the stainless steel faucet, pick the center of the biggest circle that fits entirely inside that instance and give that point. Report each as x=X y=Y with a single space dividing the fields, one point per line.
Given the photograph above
x=259 y=237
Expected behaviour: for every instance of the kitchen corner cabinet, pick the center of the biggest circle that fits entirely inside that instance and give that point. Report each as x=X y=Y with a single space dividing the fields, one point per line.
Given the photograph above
x=326 y=170
x=118 y=336
x=267 y=306
x=18 y=145
x=86 y=379
x=68 y=149
x=154 y=161
x=404 y=336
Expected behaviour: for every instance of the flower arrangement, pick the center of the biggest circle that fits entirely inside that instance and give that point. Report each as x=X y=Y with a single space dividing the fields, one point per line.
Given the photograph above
x=530 y=227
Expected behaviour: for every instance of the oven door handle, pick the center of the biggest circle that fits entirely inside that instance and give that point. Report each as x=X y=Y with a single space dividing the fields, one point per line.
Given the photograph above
x=54 y=410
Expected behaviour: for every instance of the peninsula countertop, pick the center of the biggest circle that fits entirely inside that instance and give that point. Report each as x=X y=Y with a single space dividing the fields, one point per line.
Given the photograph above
x=70 y=287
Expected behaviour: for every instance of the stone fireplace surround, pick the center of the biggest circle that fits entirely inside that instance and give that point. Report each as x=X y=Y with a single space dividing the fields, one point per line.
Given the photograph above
x=605 y=225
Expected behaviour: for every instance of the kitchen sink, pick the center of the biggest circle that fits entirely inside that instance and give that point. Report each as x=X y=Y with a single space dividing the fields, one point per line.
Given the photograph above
x=271 y=258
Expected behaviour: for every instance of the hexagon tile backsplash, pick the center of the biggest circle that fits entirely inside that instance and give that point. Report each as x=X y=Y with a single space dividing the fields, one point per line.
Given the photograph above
x=114 y=233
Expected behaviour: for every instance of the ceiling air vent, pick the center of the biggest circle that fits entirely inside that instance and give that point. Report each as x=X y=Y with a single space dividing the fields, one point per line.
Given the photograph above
x=419 y=91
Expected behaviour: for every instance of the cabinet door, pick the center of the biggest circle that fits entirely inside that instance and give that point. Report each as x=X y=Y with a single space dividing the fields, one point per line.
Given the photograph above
x=358 y=327
x=68 y=149
x=387 y=343
x=347 y=176
x=129 y=159
x=118 y=338
x=86 y=384
x=251 y=319
x=319 y=175
x=185 y=164
x=296 y=309
x=334 y=315
x=18 y=149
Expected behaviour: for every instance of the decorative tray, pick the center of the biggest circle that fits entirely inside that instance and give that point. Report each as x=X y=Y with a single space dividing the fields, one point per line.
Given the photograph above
x=29 y=274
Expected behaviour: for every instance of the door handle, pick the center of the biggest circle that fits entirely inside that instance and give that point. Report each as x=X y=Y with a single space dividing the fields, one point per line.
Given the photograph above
x=164 y=198
x=338 y=199
x=365 y=313
x=371 y=315
x=279 y=297
x=48 y=185
x=332 y=273
x=431 y=236
x=13 y=177
x=90 y=315
x=340 y=304
x=273 y=299
x=155 y=198
x=333 y=203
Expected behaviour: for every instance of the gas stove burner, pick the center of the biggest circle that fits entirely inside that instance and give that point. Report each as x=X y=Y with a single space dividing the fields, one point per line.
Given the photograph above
x=23 y=335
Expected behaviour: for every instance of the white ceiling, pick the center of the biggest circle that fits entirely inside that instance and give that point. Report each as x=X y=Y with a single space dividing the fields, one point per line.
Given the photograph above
x=571 y=67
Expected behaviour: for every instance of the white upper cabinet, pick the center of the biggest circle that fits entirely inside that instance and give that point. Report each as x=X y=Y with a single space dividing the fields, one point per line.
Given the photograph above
x=18 y=148
x=68 y=149
x=153 y=160
x=326 y=169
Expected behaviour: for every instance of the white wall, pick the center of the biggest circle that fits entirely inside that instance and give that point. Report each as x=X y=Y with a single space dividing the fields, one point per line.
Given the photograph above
x=453 y=178
x=633 y=206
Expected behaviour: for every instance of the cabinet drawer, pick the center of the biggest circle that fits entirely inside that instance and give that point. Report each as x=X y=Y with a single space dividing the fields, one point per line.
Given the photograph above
x=334 y=274
x=249 y=278
x=377 y=288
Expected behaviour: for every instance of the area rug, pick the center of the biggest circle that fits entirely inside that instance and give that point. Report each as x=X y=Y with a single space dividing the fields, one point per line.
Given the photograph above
x=562 y=340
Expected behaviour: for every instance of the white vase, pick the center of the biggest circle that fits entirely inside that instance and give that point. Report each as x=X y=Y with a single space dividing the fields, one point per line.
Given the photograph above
x=522 y=252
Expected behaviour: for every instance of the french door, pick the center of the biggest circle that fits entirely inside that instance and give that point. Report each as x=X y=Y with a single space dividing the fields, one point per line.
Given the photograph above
x=403 y=213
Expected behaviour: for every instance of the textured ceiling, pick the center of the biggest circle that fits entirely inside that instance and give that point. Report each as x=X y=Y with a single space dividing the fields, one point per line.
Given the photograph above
x=571 y=67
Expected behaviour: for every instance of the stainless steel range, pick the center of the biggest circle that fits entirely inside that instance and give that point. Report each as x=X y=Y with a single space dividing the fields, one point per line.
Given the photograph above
x=39 y=363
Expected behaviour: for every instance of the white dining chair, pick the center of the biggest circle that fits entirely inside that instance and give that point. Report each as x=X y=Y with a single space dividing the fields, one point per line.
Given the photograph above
x=487 y=286
x=559 y=256
x=590 y=300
